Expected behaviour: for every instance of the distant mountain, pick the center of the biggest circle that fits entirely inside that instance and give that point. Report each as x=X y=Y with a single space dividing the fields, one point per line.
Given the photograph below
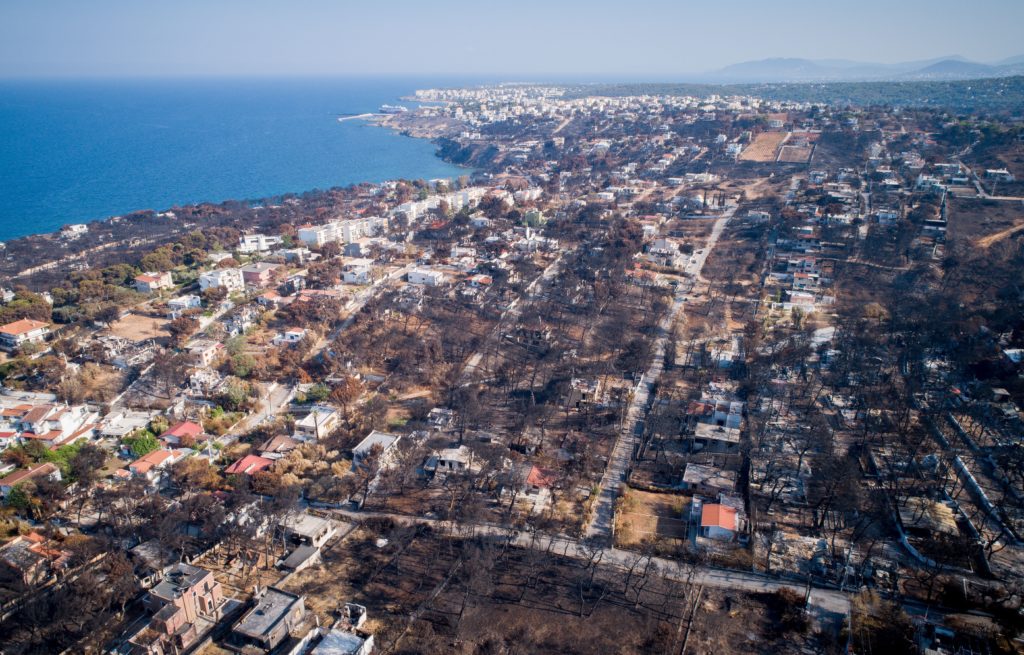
x=951 y=68
x=776 y=68
x=1011 y=61
x=780 y=69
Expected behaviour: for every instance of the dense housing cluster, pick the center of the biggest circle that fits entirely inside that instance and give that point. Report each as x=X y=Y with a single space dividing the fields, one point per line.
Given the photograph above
x=716 y=370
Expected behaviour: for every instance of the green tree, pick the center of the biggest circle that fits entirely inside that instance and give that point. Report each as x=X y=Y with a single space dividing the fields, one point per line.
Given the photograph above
x=142 y=444
x=237 y=395
x=20 y=499
x=318 y=393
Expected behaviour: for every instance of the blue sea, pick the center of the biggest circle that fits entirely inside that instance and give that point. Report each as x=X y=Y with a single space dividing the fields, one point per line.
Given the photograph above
x=75 y=151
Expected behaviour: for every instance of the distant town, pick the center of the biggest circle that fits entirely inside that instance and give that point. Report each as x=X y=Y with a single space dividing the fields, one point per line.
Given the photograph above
x=659 y=374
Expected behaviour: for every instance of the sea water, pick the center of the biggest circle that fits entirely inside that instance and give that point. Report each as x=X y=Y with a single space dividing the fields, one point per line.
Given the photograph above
x=72 y=151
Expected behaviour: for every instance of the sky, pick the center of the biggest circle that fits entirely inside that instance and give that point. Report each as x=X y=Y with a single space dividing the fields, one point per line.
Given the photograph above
x=624 y=39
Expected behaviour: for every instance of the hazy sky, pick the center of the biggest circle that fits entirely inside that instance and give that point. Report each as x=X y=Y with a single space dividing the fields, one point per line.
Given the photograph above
x=527 y=37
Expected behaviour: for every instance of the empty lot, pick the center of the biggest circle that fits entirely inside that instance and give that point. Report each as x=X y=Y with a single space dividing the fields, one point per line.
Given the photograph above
x=764 y=147
x=136 y=327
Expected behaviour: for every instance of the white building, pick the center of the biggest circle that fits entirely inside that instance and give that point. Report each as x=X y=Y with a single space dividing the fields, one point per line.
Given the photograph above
x=150 y=282
x=345 y=231
x=999 y=174
x=74 y=231
x=204 y=351
x=250 y=243
x=318 y=423
x=376 y=440
x=356 y=273
x=343 y=642
x=13 y=335
x=426 y=276
x=181 y=304
x=718 y=521
x=229 y=279
x=449 y=461
x=290 y=337
x=56 y=425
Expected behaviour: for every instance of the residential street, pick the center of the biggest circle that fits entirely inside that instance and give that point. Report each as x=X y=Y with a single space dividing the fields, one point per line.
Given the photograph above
x=603 y=515
x=511 y=312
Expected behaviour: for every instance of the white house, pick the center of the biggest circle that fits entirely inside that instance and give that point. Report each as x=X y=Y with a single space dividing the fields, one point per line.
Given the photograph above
x=47 y=470
x=718 y=521
x=306 y=529
x=449 y=461
x=343 y=642
x=14 y=335
x=887 y=216
x=376 y=439
x=229 y=279
x=318 y=423
x=74 y=231
x=426 y=276
x=289 y=337
x=181 y=304
x=357 y=271
x=204 y=351
x=249 y=243
x=58 y=425
x=151 y=467
x=999 y=174
x=358 y=274
x=317 y=235
x=151 y=282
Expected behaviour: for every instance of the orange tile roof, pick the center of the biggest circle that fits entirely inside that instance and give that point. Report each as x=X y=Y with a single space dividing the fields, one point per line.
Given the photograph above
x=19 y=410
x=147 y=462
x=21 y=327
x=718 y=516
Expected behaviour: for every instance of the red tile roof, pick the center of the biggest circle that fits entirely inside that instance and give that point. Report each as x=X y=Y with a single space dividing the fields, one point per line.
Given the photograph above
x=45 y=436
x=248 y=465
x=47 y=468
x=538 y=477
x=37 y=413
x=184 y=429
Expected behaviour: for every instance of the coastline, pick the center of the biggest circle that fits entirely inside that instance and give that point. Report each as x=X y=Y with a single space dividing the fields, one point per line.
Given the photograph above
x=115 y=238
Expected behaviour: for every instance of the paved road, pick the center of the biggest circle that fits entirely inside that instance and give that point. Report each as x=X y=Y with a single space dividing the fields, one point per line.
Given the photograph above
x=273 y=397
x=824 y=600
x=982 y=193
x=600 y=526
x=356 y=304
